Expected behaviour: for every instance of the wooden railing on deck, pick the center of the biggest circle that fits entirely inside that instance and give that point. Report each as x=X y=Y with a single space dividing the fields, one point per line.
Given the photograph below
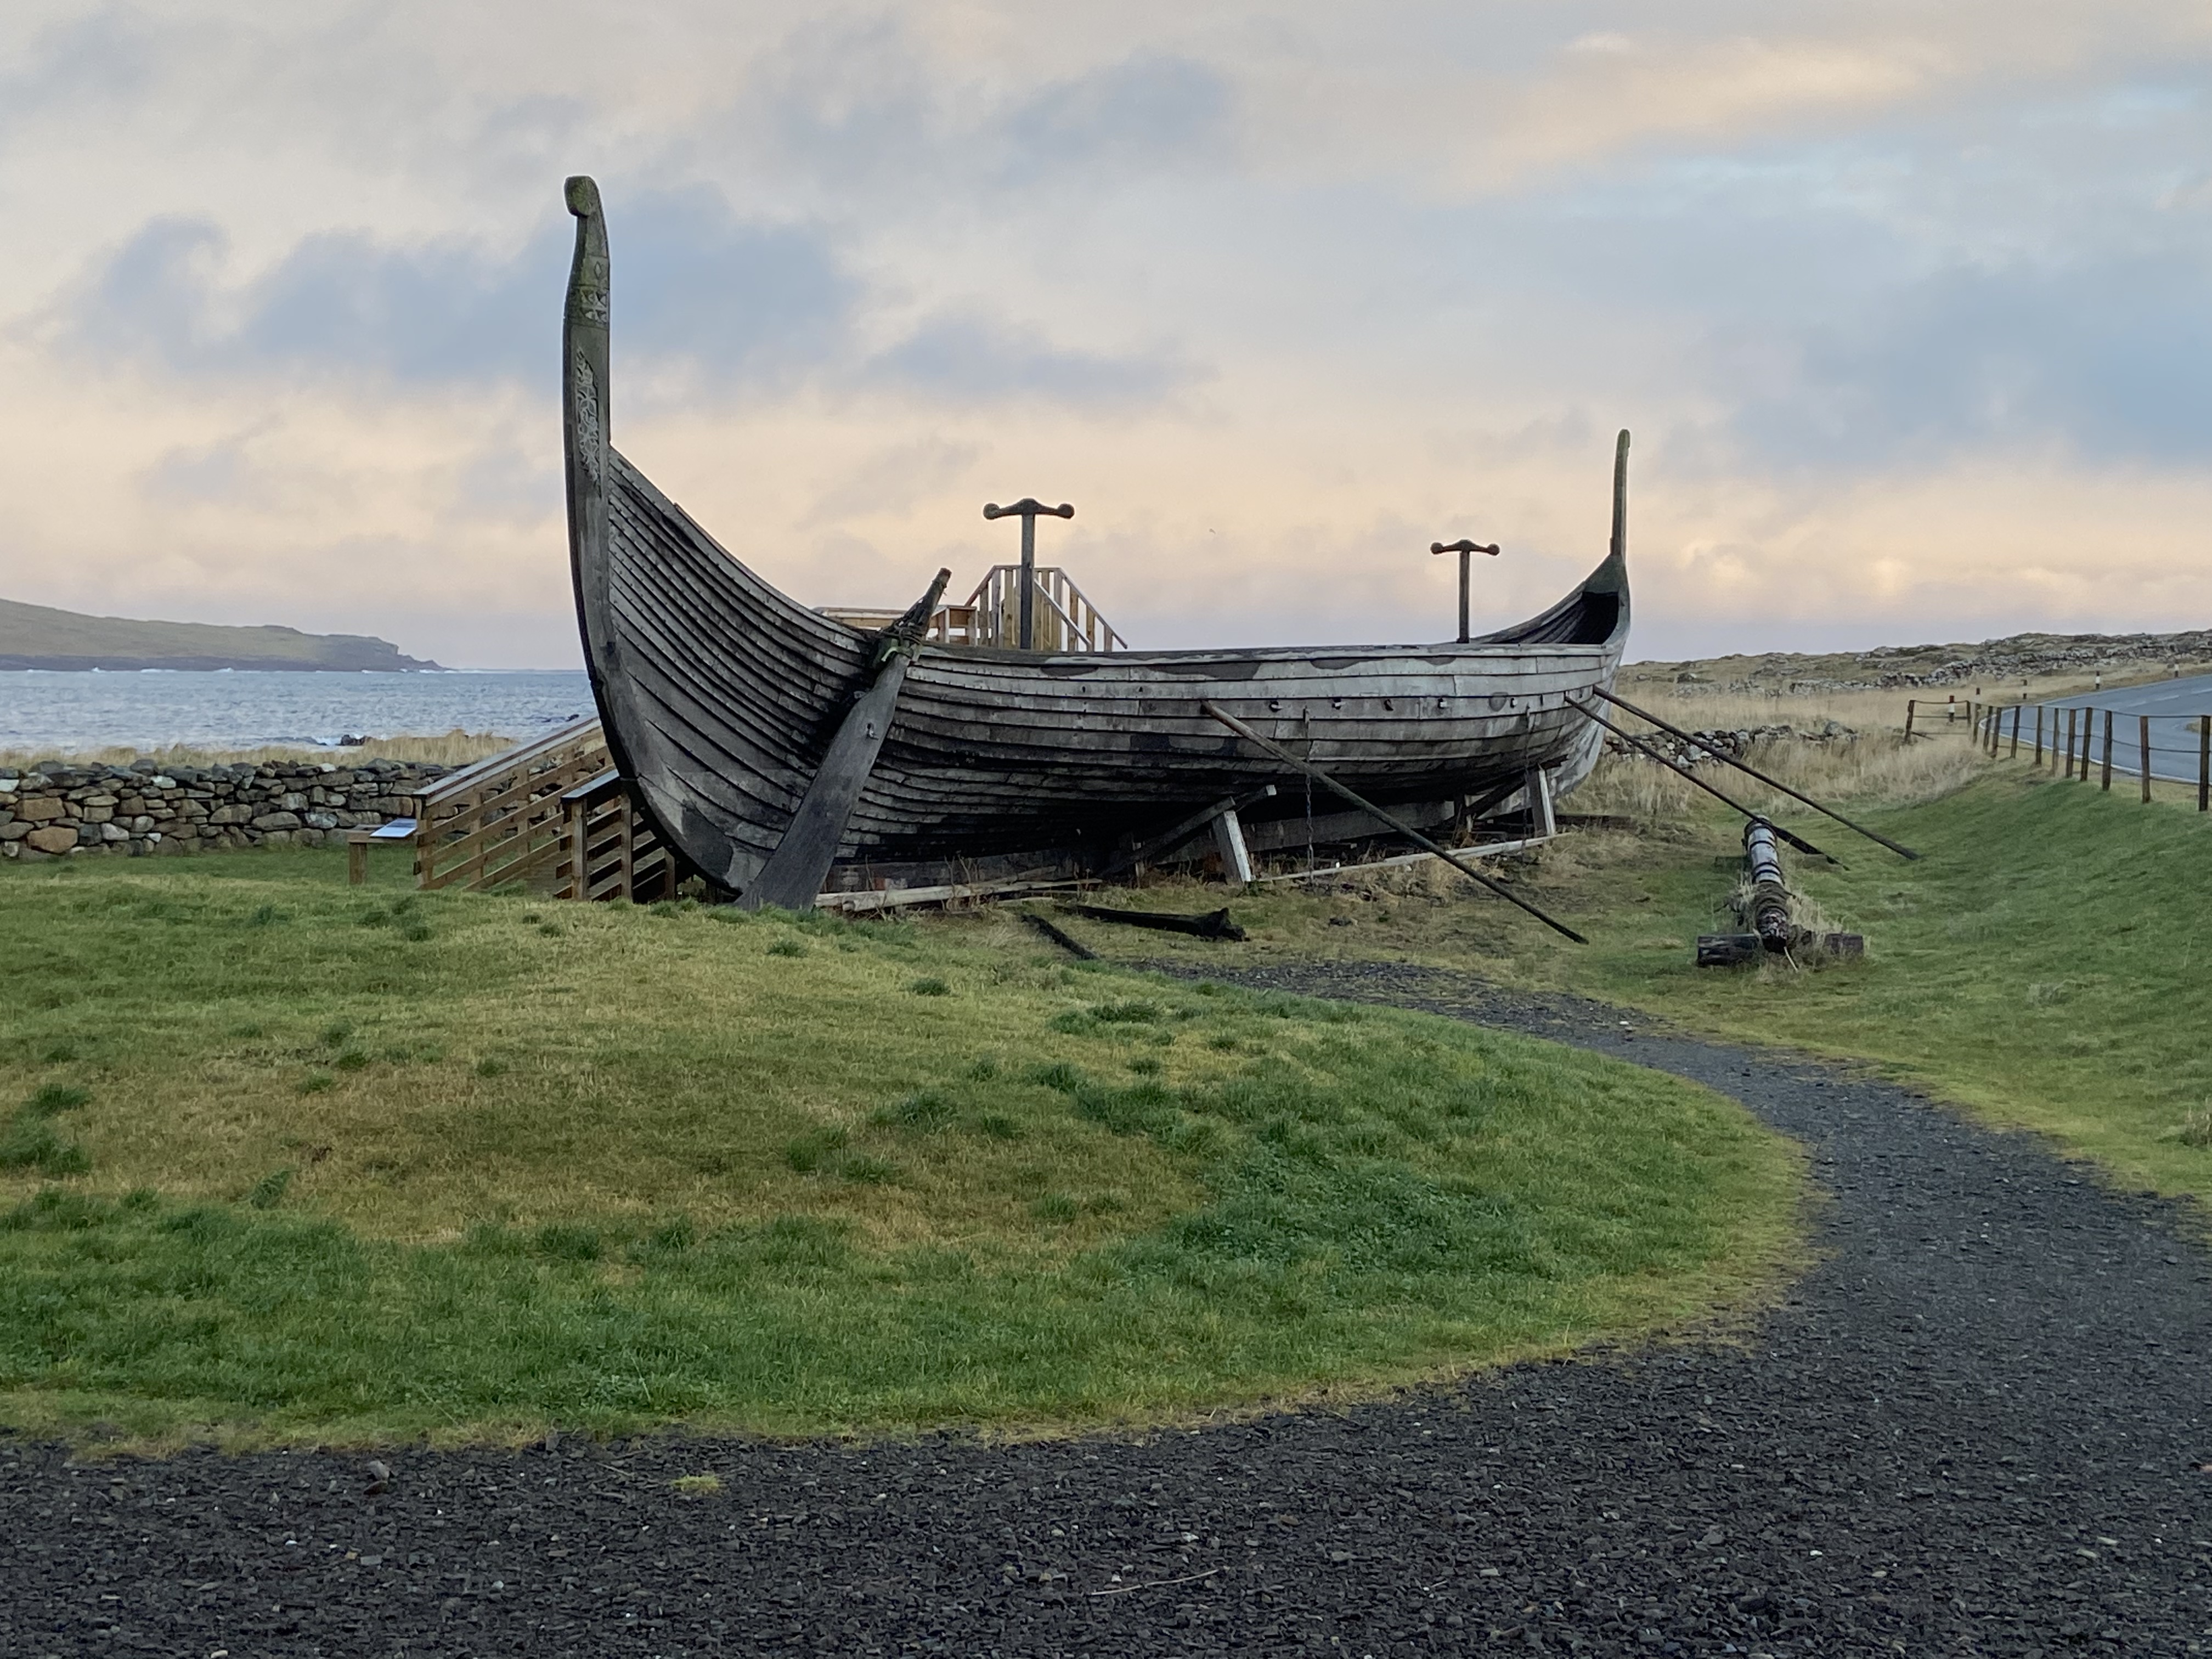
x=1061 y=618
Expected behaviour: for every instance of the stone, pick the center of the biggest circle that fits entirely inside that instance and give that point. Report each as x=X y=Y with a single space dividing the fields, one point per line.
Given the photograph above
x=276 y=837
x=12 y=833
x=293 y=802
x=321 y=821
x=42 y=810
x=140 y=824
x=286 y=820
x=92 y=814
x=231 y=814
x=54 y=838
x=113 y=831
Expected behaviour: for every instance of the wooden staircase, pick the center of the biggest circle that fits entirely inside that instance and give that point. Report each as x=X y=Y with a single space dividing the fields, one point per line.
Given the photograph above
x=551 y=814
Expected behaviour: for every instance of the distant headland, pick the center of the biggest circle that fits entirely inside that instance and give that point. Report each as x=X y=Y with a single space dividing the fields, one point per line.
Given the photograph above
x=39 y=636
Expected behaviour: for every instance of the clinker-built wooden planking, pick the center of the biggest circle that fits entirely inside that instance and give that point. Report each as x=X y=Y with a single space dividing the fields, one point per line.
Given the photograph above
x=720 y=695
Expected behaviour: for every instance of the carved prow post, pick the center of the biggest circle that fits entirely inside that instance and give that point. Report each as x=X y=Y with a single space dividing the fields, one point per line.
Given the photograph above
x=584 y=381
x=586 y=450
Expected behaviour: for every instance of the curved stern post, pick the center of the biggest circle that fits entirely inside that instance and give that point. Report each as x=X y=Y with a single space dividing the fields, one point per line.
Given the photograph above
x=1616 y=556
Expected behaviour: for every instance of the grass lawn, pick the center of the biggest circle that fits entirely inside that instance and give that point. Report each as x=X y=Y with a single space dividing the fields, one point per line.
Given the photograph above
x=2047 y=963
x=286 y=1161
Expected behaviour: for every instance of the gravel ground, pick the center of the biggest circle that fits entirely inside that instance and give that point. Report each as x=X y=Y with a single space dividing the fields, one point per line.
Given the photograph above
x=1977 y=1426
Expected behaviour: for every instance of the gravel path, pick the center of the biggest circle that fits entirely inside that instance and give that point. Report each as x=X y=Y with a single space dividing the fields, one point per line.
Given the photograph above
x=1976 y=1427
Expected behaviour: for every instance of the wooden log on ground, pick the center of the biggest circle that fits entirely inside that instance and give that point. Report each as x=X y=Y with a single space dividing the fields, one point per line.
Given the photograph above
x=1213 y=924
x=1074 y=947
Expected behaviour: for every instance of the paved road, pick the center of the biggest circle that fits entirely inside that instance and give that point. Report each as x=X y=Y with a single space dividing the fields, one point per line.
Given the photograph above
x=2177 y=709
x=1977 y=1426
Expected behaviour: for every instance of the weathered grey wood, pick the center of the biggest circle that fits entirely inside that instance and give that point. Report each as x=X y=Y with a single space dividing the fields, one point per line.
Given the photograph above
x=1165 y=842
x=1275 y=834
x=1489 y=849
x=1029 y=507
x=1466 y=550
x=1541 y=823
x=796 y=870
x=1722 y=756
x=1229 y=841
x=720 y=694
x=1403 y=829
x=867 y=902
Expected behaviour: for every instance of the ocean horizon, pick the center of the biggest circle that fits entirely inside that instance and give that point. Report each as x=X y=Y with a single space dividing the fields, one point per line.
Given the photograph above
x=79 y=711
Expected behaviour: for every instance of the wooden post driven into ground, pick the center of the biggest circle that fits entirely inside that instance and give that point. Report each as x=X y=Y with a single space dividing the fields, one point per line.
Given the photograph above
x=2105 y=776
x=2039 y=736
x=2143 y=737
x=1028 y=508
x=2204 y=764
x=1267 y=746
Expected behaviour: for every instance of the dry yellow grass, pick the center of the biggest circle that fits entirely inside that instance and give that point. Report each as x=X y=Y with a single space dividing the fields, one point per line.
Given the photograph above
x=1706 y=707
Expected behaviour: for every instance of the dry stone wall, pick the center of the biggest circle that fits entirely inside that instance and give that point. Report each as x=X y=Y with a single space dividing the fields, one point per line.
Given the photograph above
x=53 y=810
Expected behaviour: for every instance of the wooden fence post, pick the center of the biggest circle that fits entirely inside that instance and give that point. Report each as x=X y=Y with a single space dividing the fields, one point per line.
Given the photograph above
x=2104 y=772
x=2039 y=736
x=2143 y=736
x=1908 y=722
x=2069 y=772
x=2014 y=752
x=2204 y=764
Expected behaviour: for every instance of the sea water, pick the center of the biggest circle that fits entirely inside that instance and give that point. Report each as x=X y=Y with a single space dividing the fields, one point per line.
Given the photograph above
x=241 y=708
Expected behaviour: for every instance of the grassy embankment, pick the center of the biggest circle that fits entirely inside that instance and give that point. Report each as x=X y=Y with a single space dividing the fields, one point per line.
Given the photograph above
x=287 y=1161
x=2045 y=965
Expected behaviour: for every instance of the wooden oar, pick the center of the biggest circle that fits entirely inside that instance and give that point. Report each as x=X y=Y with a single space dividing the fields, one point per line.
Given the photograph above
x=1397 y=823
x=1720 y=754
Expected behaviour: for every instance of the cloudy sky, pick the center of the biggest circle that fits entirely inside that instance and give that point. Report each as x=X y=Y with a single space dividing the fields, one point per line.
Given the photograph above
x=1909 y=307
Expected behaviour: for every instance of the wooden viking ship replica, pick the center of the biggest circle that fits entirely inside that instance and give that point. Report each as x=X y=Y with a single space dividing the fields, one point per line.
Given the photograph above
x=780 y=751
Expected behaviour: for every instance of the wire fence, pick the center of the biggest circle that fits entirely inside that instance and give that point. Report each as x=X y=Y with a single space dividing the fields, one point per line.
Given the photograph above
x=2080 y=741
